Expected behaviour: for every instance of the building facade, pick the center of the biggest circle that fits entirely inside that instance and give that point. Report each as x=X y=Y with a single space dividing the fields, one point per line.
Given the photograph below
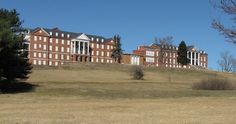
x=55 y=47
x=166 y=56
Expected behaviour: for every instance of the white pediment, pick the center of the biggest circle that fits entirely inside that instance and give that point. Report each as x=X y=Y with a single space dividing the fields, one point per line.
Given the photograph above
x=83 y=37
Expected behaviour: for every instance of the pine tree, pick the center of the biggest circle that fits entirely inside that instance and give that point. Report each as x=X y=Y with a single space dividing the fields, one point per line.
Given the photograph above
x=13 y=62
x=117 y=51
x=182 y=54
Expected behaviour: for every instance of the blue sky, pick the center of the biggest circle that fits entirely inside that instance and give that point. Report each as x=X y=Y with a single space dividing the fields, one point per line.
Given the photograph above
x=136 y=21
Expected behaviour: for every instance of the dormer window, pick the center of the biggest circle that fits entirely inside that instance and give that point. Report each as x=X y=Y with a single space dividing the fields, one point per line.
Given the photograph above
x=50 y=33
x=92 y=38
x=97 y=39
x=102 y=40
x=56 y=34
x=62 y=35
x=68 y=35
x=40 y=31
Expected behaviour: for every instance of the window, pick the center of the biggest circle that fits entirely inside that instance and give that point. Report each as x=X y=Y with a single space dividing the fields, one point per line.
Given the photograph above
x=102 y=40
x=44 y=55
x=68 y=57
x=102 y=46
x=56 y=63
x=35 y=46
x=62 y=49
x=40 y=55
x=110 y=61
x=50 y=48
x=108 y=54
x=97 y=60
x=157 y=53
x=111 y=47
x=92 y=39
x=56 y=41
x=102 y=53
x=56 y=48
x=102 y=60
x=107 y=61
x=40 y=38
x=56 y=56
x=68 y=42
x=40 y=46
x=44 y=62
x=62 y=35
x=174 y=55
x=97 y=39
x=108 y=47
x=97 y=46
x=68 y=35
x=149 y=53
x=40 y=31
x=50 y=55
x=92 y=59
x=173 y=61
x=44 y=39
x=50 y=40
x=50 y=33
x=92 y=52
x=35 y=54
x=50 y=62
x=39 y=62
x=149 y=59
x=56 y=34
x=34 y=62
x=62 y=57
x=97 y=53
x=62 y=41
x=35 y=38
x=92 y=45
x=44 y=47
x=68 y=50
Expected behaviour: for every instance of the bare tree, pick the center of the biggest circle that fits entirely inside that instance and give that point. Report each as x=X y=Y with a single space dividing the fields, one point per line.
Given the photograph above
x=228 y=7
x=227 y=63
x=164 y=44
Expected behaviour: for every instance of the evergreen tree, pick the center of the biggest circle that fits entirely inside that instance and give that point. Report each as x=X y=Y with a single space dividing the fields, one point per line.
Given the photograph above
x=117 y=50
x=13 y=61
x=182 y=54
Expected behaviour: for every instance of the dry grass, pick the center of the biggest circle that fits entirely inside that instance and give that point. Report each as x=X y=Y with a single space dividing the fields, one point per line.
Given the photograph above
x=109 y=95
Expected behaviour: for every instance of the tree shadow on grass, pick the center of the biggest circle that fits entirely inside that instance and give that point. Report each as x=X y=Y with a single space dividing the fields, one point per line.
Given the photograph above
x=16 y=87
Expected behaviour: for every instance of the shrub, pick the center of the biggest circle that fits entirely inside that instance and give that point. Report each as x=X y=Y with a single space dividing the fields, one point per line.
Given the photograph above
x=137 y=73
x=213 y=84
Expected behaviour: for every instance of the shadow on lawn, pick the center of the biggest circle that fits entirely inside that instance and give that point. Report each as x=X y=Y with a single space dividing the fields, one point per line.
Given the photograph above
x=16 y=87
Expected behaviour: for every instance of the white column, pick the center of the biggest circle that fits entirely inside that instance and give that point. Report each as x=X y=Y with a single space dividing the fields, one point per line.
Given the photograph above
x=71 y=46
x=195 y=58
x=79 y=47
x=199 y=59
x=83 y=47
x=74 y=46
x=191 y=58
x=88 y=48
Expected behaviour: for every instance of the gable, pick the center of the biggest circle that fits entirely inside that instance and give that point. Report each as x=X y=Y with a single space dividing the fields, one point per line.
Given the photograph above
x=40 y=31
x=83 y=37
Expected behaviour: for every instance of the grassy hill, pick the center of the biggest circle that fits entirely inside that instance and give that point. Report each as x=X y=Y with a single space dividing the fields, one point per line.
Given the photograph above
x=98 y=93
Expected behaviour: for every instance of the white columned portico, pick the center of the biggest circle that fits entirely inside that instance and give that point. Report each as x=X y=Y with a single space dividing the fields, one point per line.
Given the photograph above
x=195 y=58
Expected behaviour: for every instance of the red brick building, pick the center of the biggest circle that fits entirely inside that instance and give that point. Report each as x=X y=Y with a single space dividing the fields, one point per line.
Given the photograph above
x=55 y=47
x=166 y=56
